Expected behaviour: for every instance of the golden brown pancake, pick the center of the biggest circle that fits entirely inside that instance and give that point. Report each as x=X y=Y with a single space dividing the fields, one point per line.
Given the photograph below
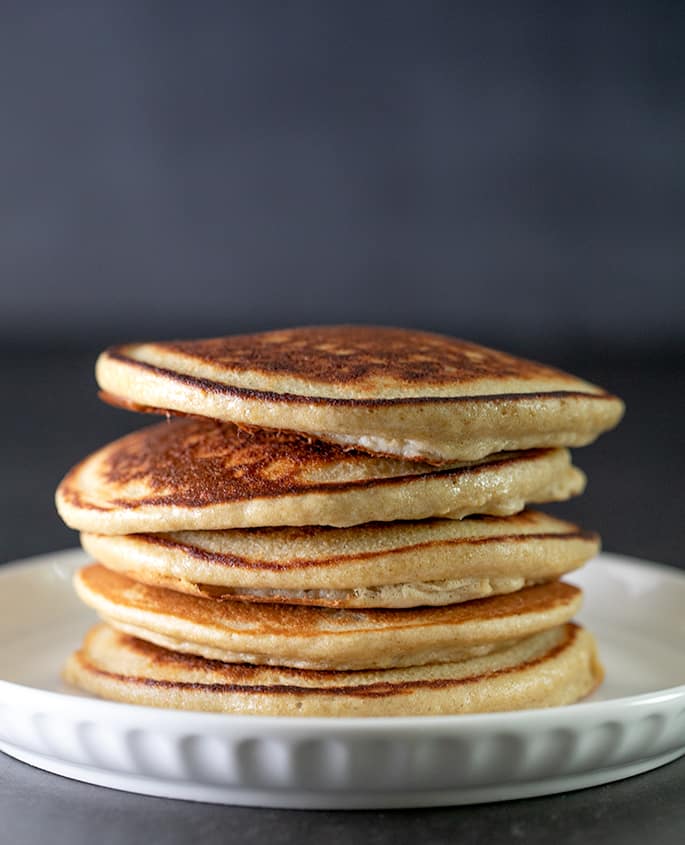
x=398 y=392
x=198 y=474
x=396 y=564
x=318 y=637
x=557 y=666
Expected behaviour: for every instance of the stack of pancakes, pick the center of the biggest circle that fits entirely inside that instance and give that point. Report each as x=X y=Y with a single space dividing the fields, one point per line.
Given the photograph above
x=332 y=521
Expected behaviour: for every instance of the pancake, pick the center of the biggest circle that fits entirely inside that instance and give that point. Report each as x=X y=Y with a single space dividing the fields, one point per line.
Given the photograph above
x=399 y=392
x=399 y=564
x=555 y=667
x=317 y=637
x=191 y=474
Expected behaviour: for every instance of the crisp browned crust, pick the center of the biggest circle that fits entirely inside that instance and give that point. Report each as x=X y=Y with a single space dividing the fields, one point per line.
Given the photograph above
x=409 y=394
x=189 y=462
x=362 y=359
x=113 y=492
x=359 y=355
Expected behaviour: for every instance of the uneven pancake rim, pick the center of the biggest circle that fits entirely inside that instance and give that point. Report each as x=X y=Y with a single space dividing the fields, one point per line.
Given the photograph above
x=106 y=591
x=216 y=387
x=234 y=560
x=69 y=492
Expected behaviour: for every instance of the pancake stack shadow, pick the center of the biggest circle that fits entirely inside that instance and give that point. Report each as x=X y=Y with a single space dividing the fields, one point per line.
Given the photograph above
x=334 y=521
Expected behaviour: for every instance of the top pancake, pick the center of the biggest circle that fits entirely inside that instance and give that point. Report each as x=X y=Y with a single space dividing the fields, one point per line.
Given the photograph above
x=199 y=474
x=399 y=392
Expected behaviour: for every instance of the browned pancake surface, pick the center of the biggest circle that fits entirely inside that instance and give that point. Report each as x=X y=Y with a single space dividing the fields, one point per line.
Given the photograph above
x=364 y=357
x=203 y=461
x=203 y=464
x=389 y=391
x=196 y=462
x=366 y=361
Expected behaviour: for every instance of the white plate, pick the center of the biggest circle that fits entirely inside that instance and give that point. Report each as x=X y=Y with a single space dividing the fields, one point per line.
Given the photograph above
x=635 y=722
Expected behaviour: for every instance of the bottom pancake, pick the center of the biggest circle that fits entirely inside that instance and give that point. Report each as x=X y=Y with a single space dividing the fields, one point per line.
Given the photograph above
x=555 y=667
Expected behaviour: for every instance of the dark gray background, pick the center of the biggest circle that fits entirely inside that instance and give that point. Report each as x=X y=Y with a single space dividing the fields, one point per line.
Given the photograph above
x=514 y=171
x=514 y=174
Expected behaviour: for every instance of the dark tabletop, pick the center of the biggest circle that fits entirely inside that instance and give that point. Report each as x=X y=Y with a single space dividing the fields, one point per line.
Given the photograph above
x=634 y=498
